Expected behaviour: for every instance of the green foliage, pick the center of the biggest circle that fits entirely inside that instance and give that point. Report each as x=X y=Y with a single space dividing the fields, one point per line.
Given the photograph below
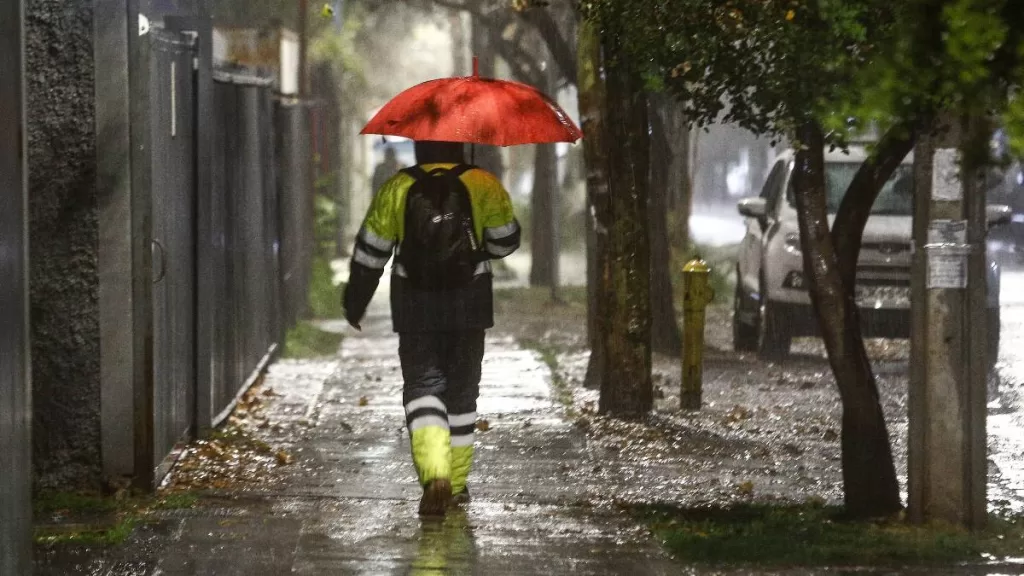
x=765 y=535
x=721 y=261
x=88 y=519
x=324 y=295
x=337 y=48
x=774 y=63
x=326 y=219
x=73 y=502
x=308 y=341
x=850 y=64
x=87 y=535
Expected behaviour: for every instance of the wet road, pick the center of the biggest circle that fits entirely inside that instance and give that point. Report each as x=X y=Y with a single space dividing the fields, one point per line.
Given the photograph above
x=1006 y=414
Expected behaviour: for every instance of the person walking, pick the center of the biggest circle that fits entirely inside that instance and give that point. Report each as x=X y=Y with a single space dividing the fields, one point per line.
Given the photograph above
x=386 y=169
x=444 y=221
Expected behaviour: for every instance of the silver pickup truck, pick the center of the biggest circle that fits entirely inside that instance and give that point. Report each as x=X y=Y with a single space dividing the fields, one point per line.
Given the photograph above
x=772 y=305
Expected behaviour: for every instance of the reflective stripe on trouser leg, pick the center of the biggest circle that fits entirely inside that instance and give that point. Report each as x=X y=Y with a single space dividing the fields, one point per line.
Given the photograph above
x=462 y=428
x=430 y=437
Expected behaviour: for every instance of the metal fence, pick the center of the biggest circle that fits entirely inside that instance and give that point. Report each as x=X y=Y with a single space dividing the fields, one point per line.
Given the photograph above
x=247 y=293
x=232 y=234
x=15 y=392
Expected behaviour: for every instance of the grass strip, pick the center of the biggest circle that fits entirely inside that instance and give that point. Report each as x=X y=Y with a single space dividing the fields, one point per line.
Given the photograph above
x=813 y=535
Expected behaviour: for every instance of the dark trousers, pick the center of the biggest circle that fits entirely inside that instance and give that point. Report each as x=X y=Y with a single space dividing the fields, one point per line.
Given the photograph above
x=443 y=364
x=442 y=383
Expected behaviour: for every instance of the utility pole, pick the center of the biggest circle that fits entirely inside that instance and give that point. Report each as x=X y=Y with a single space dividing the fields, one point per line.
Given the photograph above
x=947 y=402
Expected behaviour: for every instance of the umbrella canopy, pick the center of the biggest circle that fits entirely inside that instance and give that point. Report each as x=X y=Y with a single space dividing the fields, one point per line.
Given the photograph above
x=474 y=110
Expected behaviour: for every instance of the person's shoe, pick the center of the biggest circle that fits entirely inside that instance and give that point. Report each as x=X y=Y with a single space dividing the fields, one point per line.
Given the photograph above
x=437 y=494
x=461 y=497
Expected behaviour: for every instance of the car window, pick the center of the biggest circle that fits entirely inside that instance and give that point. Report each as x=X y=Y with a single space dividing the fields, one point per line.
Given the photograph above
x=773 y=181
x=770 y=192
x=895 y=198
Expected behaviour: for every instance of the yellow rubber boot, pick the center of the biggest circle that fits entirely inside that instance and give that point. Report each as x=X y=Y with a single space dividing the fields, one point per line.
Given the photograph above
x=462 y=462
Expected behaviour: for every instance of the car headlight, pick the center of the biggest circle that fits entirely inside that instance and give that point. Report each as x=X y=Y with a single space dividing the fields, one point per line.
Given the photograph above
x=792 y=243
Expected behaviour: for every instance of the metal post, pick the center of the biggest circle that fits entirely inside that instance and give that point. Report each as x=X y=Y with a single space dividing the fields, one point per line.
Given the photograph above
x=141 y=251
x=697 y=294
x=206 y=245
x=946 y=467
x=15 y=381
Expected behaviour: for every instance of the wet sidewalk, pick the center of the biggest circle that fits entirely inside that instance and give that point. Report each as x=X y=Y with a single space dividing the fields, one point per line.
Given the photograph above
x=347 y=504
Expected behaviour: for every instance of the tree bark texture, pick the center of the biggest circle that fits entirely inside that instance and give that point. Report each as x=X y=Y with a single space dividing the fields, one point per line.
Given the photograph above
x=543 y=217
x=665 y=336
x=486 y=157
x=869 y=477
x=627 y=390
x=591 y=97
x=544 y=209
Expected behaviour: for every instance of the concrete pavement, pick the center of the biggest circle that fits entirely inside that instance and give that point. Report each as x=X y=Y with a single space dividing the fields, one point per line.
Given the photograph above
x=348 y=503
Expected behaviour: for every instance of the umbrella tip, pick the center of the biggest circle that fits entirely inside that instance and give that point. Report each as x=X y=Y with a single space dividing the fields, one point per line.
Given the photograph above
x=476 y=67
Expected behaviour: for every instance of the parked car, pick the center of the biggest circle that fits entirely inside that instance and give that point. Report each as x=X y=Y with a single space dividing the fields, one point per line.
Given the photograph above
x=1006 y=186
x=772 y=304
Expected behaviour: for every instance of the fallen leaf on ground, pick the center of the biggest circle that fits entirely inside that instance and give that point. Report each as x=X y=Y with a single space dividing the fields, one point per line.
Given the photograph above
x=745 y=488
x=738 y=413
x=284 y=458
x=364 y=401
x=483 y=425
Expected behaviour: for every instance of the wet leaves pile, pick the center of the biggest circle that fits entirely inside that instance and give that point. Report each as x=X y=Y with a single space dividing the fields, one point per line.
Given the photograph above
x=235 y=457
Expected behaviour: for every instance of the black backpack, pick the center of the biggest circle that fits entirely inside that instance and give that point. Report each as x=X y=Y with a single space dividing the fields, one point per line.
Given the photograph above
x=439 y=250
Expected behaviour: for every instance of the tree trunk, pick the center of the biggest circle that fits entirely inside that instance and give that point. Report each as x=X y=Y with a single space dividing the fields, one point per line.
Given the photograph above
x=543 y=206
x=869 y=477
x=665 y=336
x=486 y=157
x=680 y=177
x=460 y=65
x=627 y=391
x=591 y=105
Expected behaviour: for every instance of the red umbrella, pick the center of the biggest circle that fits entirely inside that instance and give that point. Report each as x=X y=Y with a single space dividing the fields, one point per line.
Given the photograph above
x=474 y=110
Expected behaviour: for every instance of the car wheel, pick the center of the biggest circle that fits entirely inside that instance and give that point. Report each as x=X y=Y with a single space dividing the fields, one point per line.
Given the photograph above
x=744 y=336
x=776 y=335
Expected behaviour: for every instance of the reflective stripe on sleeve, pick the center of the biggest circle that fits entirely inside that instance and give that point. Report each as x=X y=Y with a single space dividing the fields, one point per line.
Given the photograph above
x=363 y=257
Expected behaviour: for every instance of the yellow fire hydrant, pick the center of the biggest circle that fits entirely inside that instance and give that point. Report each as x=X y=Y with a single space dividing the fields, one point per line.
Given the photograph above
x=697 y=294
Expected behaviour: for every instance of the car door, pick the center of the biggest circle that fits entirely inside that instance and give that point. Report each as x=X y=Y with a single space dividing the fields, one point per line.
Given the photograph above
x=752 y=248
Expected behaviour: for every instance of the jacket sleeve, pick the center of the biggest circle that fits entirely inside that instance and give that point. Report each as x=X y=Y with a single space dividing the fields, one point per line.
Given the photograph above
x=374 y=245
x=501 y=231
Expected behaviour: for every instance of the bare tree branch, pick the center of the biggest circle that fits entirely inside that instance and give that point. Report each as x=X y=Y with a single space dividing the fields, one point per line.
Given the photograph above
x=562 y=51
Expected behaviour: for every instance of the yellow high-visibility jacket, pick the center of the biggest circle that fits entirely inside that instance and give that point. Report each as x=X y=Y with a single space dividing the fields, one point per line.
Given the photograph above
x=467 y=308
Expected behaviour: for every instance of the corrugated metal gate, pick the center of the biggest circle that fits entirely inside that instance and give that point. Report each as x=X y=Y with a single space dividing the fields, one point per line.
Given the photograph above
x=174 y=240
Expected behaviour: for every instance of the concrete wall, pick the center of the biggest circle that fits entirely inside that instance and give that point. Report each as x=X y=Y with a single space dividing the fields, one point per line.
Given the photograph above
x=63 y=240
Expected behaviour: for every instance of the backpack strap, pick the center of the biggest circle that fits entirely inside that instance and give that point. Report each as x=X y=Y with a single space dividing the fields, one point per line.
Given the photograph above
x=461 y=169
x=416 y=172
